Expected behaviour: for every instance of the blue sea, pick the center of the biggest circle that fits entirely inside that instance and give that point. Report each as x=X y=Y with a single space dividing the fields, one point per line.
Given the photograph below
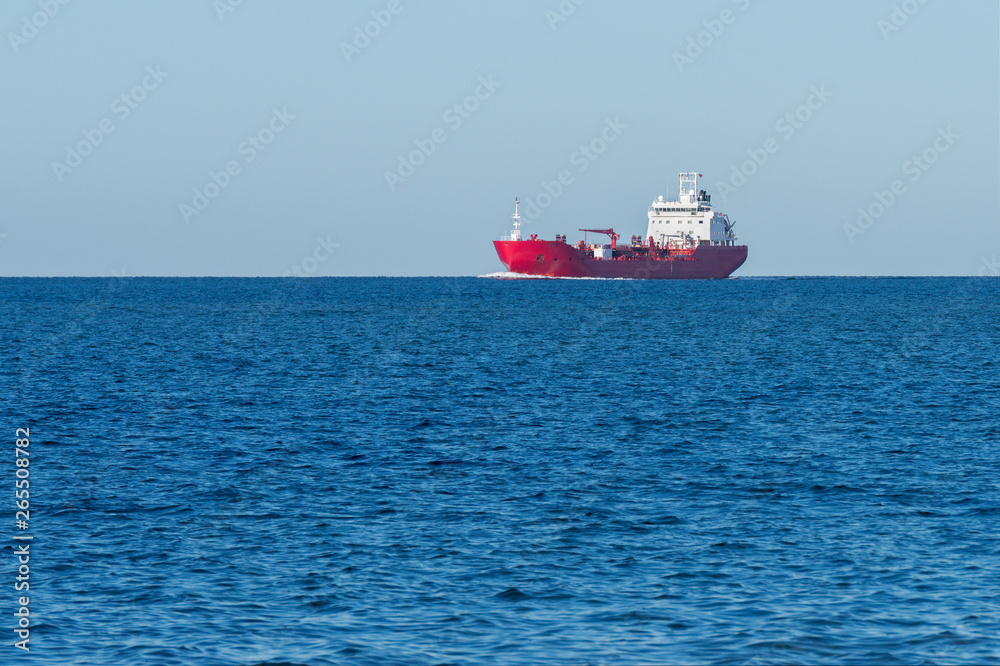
x=480 y=471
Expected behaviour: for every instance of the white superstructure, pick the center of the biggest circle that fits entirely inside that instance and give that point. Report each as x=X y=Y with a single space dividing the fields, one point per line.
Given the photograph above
x=689 y=220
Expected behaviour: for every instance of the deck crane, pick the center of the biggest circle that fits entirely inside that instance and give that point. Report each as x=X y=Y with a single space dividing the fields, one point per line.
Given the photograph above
x=609 y=232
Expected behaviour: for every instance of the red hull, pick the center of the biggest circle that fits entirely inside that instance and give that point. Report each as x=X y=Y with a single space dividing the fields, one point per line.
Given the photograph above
x=558 y=259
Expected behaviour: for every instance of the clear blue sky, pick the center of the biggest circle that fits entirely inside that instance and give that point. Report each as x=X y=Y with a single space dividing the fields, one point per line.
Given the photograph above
x=889 y=91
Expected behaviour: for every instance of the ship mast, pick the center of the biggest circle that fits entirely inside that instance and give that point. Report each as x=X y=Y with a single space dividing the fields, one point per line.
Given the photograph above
x=516 y=234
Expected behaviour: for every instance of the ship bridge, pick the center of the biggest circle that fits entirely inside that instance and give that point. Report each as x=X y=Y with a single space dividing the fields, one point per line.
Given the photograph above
x=690 y=219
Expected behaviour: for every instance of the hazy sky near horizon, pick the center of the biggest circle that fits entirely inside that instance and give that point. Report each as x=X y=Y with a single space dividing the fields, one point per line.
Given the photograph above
x=204 y=137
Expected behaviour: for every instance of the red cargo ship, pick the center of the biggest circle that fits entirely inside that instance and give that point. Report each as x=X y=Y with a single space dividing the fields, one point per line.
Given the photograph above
x=685 y=240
